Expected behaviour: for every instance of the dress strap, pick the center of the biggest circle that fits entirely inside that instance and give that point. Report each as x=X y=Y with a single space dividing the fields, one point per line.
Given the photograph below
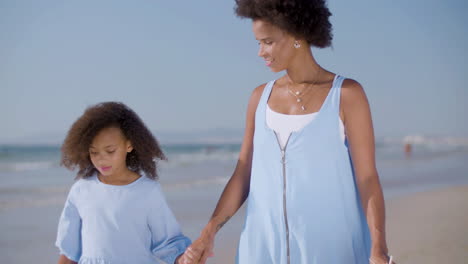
x=335 y=94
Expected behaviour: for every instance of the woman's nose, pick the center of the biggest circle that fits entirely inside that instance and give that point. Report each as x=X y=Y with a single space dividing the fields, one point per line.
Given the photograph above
x=261 y=51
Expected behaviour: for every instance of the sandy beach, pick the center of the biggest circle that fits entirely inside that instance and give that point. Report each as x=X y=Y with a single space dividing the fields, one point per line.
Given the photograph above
x=426 y=205
x=422 y=228
x=429 y=227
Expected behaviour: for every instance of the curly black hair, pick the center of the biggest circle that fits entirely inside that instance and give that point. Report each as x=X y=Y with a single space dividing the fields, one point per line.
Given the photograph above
x=304 y=19
x=75 y=149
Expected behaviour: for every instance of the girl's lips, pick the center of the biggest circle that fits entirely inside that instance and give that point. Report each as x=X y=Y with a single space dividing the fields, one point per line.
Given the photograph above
x=106 y=168
x=268 y=63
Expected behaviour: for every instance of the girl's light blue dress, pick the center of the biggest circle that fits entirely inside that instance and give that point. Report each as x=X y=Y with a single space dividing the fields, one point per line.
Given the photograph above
x=110 y=224
x=303 y=205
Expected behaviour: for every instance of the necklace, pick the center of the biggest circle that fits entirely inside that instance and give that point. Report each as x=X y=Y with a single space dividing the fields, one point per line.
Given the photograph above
x=299 y=94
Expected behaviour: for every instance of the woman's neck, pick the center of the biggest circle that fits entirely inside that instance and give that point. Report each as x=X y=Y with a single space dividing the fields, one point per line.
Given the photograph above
x=304 y=69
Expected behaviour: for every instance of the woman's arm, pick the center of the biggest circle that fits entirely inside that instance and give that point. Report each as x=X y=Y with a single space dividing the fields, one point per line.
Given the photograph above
x=237 y=189
x=356 y=115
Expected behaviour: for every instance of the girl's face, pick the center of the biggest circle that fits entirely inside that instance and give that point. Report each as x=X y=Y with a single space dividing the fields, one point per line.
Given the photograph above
x=276 y=46
x=108 y=151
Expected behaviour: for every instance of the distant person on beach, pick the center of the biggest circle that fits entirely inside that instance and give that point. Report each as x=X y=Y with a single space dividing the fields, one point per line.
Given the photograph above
x=307 y=163
x=408 y=149
x=116 y=211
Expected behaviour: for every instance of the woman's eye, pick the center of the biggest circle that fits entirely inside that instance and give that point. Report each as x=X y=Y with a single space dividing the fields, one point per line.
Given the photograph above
x=266 y=42
x=111 y=151
x=93 y=153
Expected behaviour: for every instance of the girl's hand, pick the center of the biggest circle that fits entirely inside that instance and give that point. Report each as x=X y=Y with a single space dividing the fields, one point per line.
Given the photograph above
x=201 y=249
x=381 y=259
x=190 y=256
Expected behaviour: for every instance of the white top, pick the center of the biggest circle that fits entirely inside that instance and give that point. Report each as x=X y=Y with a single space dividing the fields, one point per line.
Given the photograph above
x=284 y=124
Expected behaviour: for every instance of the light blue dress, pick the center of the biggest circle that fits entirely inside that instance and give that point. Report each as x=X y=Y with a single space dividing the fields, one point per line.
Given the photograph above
x=110 y=224
x=303 y=205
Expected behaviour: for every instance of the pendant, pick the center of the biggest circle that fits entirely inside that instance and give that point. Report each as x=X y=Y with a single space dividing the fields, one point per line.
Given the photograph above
x=298 y=100
x=303 y=108
x=297 y=93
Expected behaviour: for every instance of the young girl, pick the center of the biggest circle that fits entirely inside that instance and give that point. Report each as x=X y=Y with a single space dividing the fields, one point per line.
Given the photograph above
x=114 y=214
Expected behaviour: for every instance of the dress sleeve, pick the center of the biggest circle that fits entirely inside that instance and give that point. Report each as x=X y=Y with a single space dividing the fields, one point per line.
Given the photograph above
x=167 y=241
x=69 y=230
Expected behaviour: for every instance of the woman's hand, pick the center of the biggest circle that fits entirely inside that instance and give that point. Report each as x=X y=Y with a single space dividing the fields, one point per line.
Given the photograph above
x=381 y=259
x=201 y=249
x=190 y=256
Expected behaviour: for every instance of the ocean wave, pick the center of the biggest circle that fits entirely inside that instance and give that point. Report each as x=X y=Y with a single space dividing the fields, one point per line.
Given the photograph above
x=186 y=159
x=426 y=144
x=19 y=166
x=24 y=158
x=428 y=140
x=189 y=184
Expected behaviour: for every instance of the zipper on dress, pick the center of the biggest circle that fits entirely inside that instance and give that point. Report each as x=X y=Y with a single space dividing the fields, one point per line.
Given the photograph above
x=285 y=213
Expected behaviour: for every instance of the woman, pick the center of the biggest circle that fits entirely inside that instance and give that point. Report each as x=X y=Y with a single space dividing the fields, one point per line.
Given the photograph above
x=307 y=159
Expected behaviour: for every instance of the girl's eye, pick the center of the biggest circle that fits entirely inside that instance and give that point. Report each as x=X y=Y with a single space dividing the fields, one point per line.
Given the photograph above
x=268 y=42
x=93 y=153
x=111 y=151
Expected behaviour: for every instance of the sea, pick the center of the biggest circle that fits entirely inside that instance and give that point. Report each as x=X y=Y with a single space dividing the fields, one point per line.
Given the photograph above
x=33 y=186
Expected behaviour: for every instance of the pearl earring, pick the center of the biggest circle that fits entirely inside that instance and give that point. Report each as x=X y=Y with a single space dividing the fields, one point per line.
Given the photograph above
x=296 y=44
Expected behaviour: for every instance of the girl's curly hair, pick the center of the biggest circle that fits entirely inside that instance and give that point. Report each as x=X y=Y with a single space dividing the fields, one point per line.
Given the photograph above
x=75 y=149
x=305 y=19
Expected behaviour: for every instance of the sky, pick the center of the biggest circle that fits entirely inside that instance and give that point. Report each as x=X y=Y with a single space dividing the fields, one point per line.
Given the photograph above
x=190 y=66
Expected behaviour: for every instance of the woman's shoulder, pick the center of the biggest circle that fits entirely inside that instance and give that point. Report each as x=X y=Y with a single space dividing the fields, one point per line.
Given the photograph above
x=352 y=91
x=351 y=87
x=353 y=99
x=258 y=91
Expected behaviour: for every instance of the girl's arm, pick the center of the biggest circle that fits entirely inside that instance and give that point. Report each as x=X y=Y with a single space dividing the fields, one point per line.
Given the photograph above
x=355 y=113
x=236 y=190
x=167 y=241
x=69 y=230
x=65 y=260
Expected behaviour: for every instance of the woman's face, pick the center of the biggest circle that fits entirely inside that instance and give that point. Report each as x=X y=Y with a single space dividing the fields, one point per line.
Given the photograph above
x=276 y=47
x=108 y=151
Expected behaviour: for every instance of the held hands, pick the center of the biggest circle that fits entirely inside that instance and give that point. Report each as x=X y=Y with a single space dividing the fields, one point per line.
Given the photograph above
x=381 y=259
x=200 y=250
x=190 y=256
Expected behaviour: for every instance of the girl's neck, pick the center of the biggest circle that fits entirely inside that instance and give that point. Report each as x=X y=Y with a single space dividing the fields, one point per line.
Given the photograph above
x=119 y=178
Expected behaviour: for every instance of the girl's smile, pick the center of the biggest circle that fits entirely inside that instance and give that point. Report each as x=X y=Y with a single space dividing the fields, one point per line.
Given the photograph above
x=106 y=168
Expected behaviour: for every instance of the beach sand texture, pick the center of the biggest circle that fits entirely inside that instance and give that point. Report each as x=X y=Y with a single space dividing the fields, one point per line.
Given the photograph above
x=429 y=227
x=422 y=228
x=426 y=206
